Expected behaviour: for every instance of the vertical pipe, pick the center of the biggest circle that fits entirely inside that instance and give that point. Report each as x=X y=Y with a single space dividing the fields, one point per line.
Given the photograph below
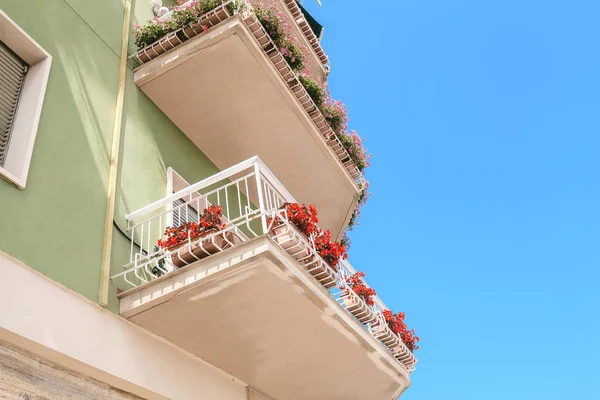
x=114 y=162
x=261 y=201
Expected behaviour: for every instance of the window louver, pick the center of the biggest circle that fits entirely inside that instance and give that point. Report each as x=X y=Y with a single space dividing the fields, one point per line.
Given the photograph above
x=183 y=214
x=12 y=75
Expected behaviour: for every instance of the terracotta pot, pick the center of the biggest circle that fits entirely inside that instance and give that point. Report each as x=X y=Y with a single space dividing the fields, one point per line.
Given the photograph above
x=321 y=271
x=307 y=103
x=194 y=30
x=289 y=239
x=386 y=336
x=358 y=308
x=257 y=30
x=280 y=64
x=159 y=47
x=184 y=254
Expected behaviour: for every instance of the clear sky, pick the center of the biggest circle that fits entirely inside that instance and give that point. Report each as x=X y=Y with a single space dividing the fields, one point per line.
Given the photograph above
x=483 y=120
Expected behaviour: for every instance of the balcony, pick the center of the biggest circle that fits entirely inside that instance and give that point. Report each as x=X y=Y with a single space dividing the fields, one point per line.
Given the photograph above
x=254 y=298
x=302 y=30
x=229 y=89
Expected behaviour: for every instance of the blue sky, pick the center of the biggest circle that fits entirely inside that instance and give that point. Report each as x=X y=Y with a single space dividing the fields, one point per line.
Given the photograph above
x=483 y=118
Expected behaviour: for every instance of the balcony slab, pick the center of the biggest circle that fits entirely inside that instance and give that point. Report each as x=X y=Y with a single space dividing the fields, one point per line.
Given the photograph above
x=253 y=312
x=224 y=93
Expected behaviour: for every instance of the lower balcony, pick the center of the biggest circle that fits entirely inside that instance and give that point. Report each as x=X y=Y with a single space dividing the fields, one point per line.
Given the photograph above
x=253 y=298
x=229 y=89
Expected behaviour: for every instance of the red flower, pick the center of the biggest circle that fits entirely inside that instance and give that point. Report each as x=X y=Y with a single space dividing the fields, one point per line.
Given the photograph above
x=358 y=286
x=332 y=252
x=212 y=220
x=397 y=325
x=303 y=217
x=179 y=235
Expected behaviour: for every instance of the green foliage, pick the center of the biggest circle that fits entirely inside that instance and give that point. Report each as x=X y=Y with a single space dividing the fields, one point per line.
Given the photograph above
x=334 y=117
x=149 y=33
x=293 y=55
x=181 y=17
x=315 y=91
x=271 y=21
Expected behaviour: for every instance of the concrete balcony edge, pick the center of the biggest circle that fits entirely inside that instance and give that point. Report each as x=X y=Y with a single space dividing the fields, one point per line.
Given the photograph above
x=177 y=283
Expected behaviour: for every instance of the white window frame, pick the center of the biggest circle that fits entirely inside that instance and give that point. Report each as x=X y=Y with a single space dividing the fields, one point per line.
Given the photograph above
x=175 y=183
x=29 y=108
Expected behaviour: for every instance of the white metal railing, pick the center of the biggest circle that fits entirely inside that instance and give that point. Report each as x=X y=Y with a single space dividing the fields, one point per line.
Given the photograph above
x=377 y=324
x=251 y=199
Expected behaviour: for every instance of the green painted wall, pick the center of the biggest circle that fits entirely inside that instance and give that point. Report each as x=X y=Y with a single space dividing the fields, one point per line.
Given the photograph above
x=56 y=225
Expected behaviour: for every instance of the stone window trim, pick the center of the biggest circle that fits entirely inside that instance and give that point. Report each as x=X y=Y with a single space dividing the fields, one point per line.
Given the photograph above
x=25 y=124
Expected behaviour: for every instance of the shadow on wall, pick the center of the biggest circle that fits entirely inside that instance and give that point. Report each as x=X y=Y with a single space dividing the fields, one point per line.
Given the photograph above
x=56 y=224
x=150 y=143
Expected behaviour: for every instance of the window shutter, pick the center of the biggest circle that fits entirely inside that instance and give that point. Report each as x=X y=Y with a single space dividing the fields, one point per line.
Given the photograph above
x=182 y=214
x=12 y=75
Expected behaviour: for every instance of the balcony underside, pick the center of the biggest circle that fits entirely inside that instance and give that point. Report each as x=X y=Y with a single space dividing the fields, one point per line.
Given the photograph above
x=255 y=313
x=224 y=93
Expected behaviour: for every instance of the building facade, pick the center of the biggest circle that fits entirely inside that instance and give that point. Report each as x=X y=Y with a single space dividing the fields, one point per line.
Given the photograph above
x=107 y=141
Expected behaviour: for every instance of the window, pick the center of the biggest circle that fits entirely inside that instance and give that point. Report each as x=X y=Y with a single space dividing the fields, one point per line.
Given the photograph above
x=12 y=75
x=182 y=213
x=24 y=71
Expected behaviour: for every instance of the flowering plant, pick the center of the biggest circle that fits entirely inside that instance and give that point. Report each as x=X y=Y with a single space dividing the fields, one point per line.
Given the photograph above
x=356 y=149
x=334 y=111
x=182 y=15
x=358 y=286
x=279 y=29
x=332 y=252
x=314 y=89
x=149 y=33
x=398 y=326
x=363 y=185
x=302 y=216
x=335 y=114
x=179 y=234
x=211 y=220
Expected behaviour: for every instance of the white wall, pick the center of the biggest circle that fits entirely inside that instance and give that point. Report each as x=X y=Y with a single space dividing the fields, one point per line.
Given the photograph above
x=45 y=318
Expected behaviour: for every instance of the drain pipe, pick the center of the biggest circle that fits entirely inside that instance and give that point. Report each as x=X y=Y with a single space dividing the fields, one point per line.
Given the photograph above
x=114 y=162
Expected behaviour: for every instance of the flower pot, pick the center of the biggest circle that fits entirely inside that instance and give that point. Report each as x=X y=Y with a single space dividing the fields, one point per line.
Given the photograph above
x=289 y=239
x=191 y=31
x=383 y=333
x=280 y=64
x=218 y=15
x=159 y=47
x=257 y=30
x=306 y=102
x=185 y=253
x=401 y=351
x=321 y=271
x=358 y=308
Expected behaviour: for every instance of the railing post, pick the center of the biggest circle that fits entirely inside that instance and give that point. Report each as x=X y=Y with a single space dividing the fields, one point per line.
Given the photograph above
x=261 y=199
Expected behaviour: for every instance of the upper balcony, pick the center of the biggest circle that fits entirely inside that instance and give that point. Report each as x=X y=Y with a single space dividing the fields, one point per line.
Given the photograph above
x=253 y=297
x=226 y=85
